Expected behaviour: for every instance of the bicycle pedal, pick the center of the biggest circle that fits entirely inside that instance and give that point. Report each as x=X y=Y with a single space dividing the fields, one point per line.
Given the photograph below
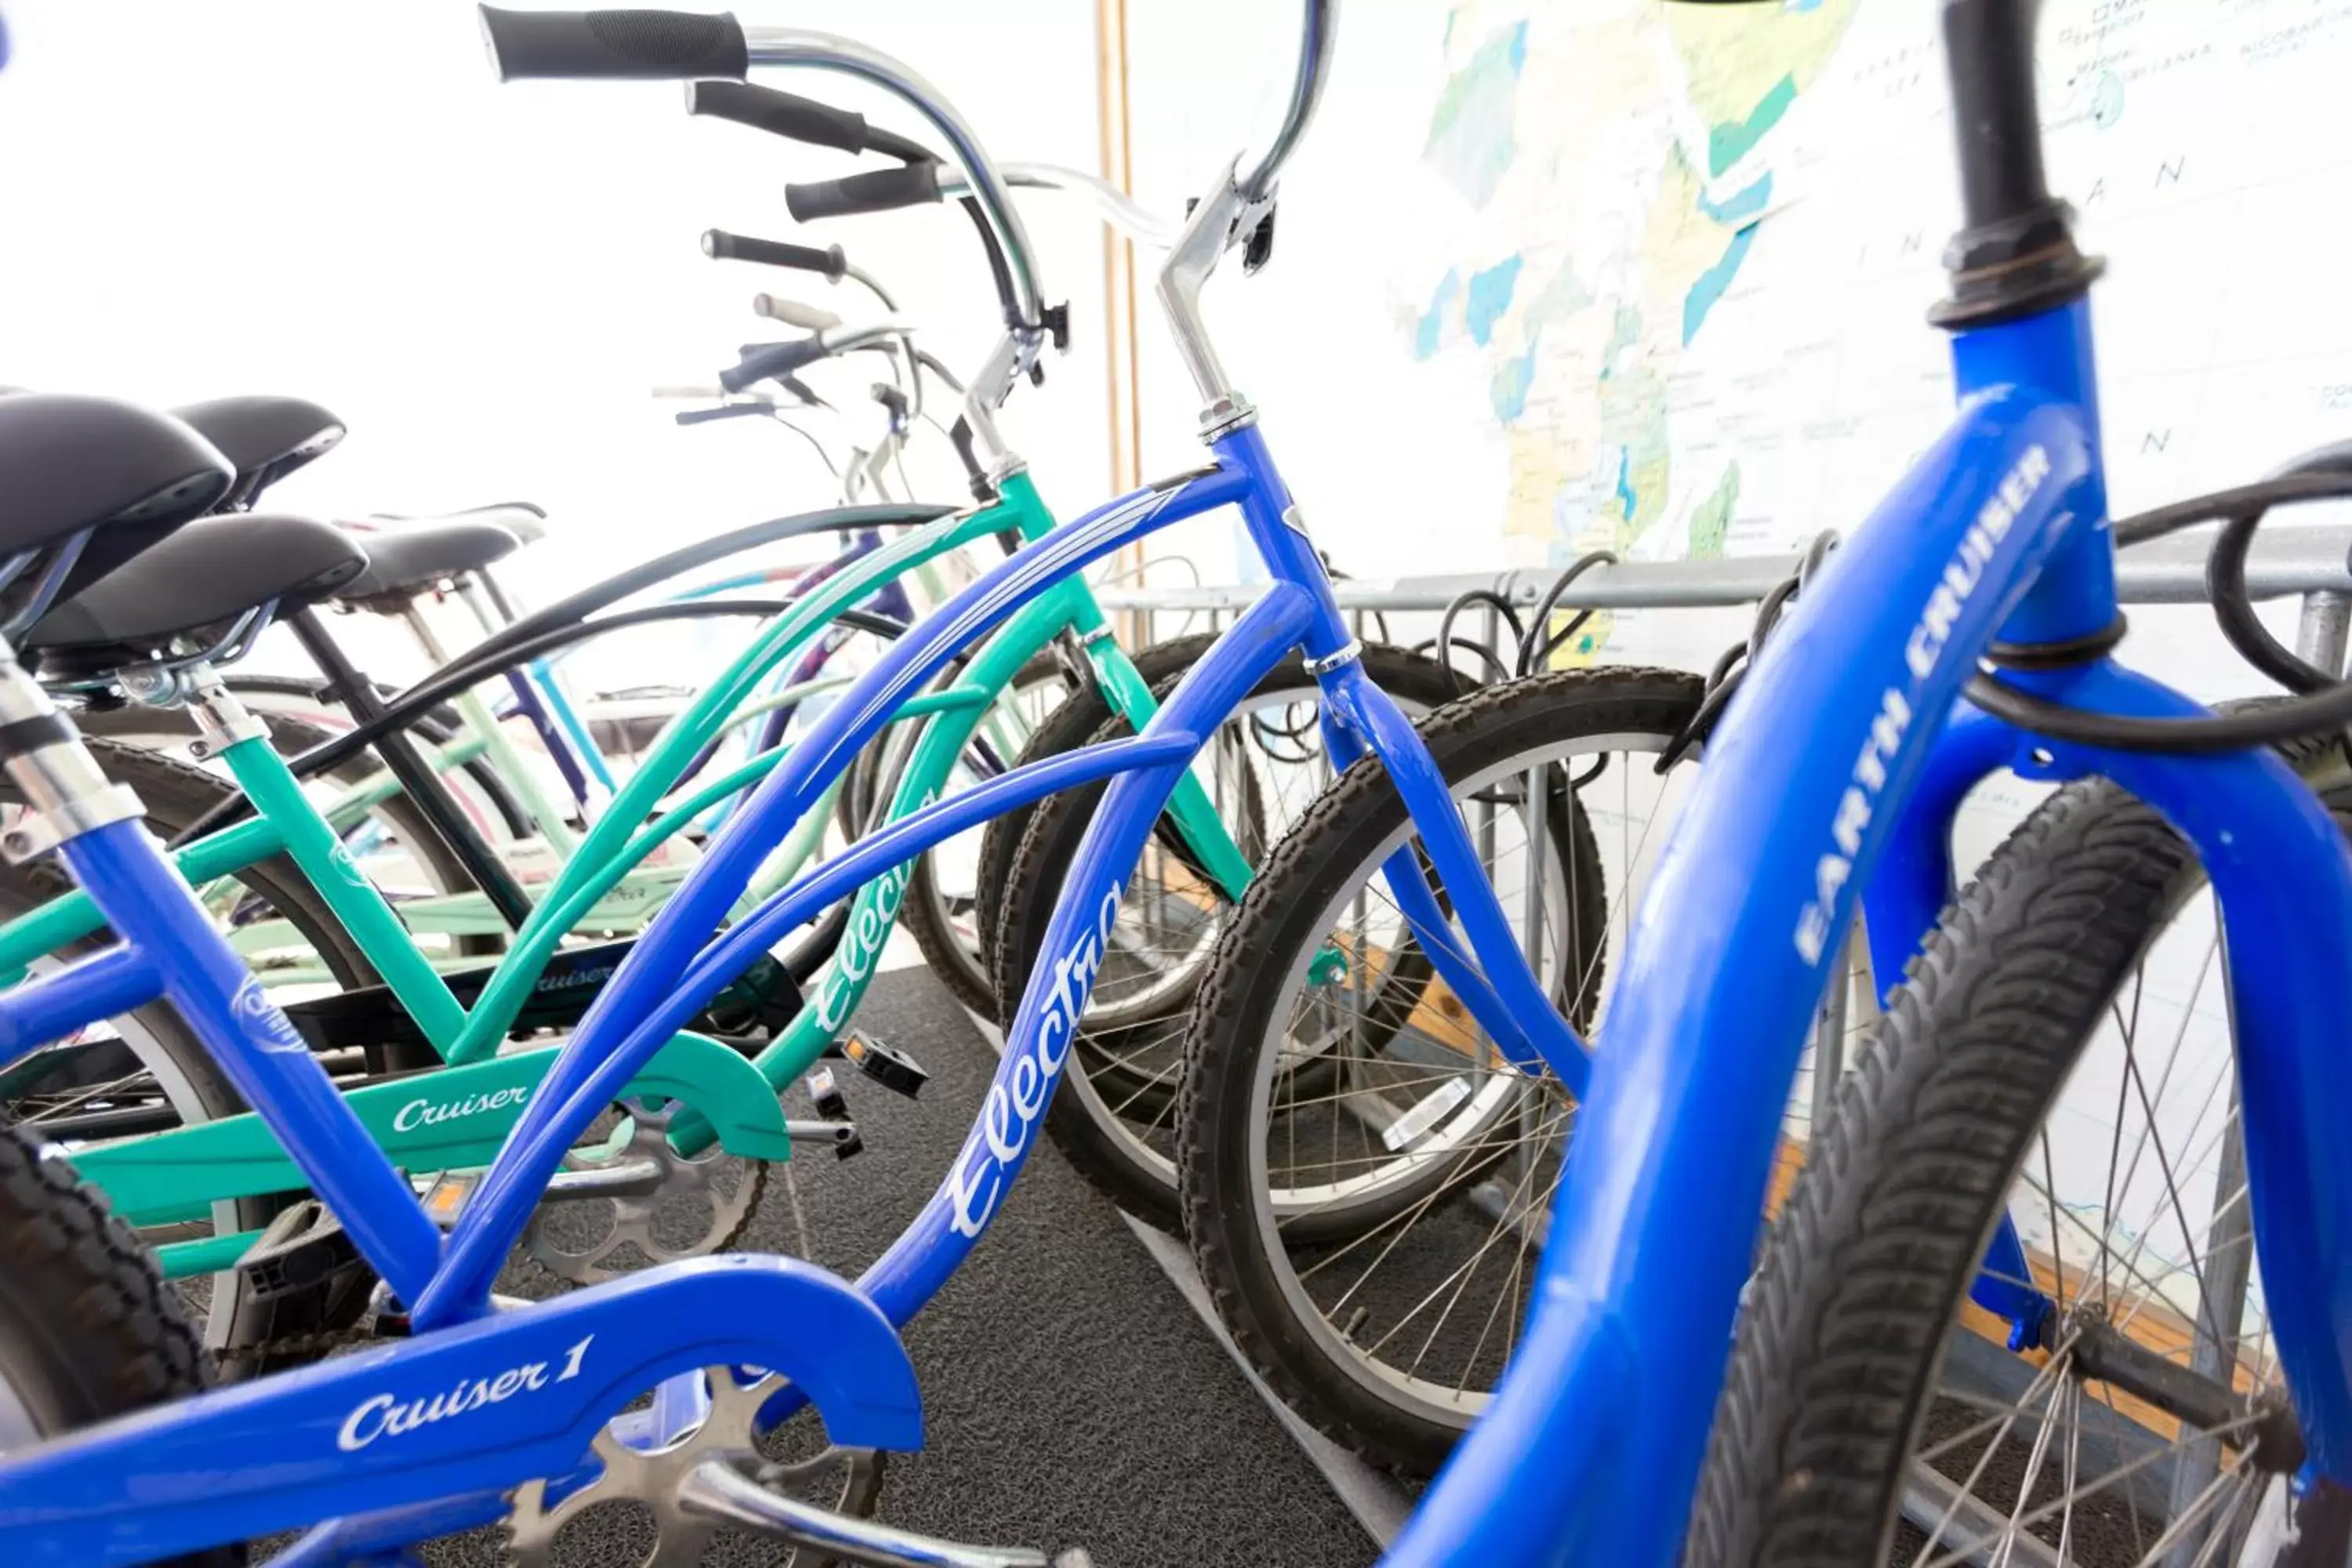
x=303 y=1247
x=894 y=1070
x=824 y=1092
x=445 y=1198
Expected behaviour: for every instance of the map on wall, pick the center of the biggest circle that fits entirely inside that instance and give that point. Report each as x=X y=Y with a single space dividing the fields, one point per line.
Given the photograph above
x=1692 y=248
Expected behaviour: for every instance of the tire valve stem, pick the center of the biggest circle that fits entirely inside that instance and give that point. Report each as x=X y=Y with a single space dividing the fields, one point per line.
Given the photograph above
x=1355 y=1321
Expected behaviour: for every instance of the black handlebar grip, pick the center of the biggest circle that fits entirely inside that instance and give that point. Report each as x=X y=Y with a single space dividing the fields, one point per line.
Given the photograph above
x=721 y=246
x=877 y=190
x=779 y=113
x=774 y=359
x=615 y=45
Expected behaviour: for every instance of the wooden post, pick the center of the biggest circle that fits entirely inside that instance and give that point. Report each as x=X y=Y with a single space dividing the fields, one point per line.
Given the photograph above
x=1119 y=283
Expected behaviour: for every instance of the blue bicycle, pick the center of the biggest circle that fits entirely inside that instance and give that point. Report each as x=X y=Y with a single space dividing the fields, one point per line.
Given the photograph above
x=1997 y=547
x=480 y=1415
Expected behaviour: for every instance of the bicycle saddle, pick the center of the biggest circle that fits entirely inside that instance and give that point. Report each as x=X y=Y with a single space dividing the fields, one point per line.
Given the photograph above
x=412 y=557
x=265 y=438
x=207 y=573
x=70 y=463
x=527 y=523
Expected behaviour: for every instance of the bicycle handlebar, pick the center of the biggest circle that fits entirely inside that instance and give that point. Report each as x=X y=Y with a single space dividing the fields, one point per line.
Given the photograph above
x=798 y=46
x=761 y=361
x=1119 y=209
x=691 y=46
x=1316 y=36
x=876 y=191
x=721 y=246
x=764 y=361
x=779 y=114
x=792 y=313
x=614 y=46
x=724 y=411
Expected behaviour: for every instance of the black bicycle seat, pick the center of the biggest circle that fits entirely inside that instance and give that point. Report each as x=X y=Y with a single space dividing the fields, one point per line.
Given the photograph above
x=409 y=557
x=70 y=464
x=203 y=576
x=264 y=437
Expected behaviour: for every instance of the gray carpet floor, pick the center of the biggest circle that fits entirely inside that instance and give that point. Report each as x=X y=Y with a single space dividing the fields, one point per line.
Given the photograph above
x=1074 y=1398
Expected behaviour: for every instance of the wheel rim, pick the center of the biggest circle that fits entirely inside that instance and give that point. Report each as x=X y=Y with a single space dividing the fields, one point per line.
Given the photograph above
x=1268 y=766
x=1423 y=1266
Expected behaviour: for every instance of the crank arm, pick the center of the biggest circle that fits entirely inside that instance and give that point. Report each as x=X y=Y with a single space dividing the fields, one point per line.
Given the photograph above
x=623 y=1179
x=717 y=1491
x=821 y=1134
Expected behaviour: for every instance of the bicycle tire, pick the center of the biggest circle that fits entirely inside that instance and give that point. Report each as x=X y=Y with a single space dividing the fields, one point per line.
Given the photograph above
x=88 y=1329
x=1105 y=1154
x=1069 y=726
x=1850 y=1312
x=1248 y=988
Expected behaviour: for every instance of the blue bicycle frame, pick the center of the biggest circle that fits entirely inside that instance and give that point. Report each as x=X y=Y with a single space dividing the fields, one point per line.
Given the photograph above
x=1850 y=722
x=150 y=1485
x=1853 y=718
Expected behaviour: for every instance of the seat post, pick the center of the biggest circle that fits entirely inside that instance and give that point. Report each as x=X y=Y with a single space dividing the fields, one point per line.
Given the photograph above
x=441 y=810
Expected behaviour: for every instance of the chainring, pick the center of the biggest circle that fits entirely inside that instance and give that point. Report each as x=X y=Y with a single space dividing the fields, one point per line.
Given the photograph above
x=652 y=1479
x=683 y=1182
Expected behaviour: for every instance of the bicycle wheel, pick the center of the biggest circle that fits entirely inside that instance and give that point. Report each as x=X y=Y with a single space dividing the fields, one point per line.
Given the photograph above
x=1263 y=769
x=88 y=1331
x=146 y=1071
x=1082 y=713
x=1875 y=1412
x=406 y=850
x=1366 y=1178
x=947 y=895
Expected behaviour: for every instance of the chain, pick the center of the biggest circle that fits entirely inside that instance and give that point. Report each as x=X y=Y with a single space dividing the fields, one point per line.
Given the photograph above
x=316 y=1346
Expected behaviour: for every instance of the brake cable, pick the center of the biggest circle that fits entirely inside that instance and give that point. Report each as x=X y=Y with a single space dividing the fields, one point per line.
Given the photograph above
x=2322 y=703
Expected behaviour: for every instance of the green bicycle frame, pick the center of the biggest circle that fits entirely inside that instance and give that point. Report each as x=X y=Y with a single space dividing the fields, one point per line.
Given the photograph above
x=456 y=1117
